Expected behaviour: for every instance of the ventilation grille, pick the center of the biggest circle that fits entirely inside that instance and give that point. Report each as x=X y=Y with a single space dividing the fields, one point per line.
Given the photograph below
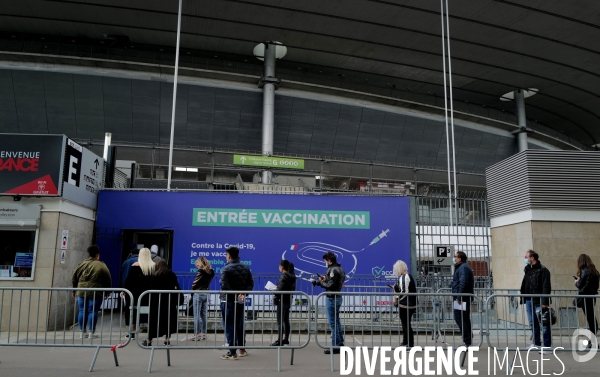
x=544 y=179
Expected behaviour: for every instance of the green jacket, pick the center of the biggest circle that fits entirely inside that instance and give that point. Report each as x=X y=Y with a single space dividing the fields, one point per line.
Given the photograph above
x=91 y=273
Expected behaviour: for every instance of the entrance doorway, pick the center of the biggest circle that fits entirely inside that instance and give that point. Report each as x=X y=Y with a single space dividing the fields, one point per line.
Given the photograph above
x=163 y=239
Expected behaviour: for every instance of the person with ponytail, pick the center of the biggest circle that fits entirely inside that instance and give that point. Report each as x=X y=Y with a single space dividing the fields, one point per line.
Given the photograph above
x=283 y=302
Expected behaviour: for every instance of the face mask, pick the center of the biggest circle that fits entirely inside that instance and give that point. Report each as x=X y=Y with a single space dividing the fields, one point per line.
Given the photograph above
x=527 y=262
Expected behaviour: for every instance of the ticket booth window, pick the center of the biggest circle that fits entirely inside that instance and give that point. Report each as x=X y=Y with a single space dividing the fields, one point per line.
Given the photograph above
x=17 y=253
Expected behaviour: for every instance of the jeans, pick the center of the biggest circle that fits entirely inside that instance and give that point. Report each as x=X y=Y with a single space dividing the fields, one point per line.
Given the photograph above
x=408 y=337
x=233 y=319
x=534 y=325
x=463 y=320
x=332 y=306
x=200 y=310
x=283 y=322
x=88 y=312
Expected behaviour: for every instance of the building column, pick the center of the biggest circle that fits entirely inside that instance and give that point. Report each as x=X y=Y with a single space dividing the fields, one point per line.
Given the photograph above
x=269 y=52
x=521 y=119
x=268 y=107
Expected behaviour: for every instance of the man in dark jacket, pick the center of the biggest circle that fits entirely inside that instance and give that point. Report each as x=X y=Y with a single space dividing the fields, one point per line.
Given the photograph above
x=463 y=282
x=333 y=281
x=536 y=282
x=236 y=277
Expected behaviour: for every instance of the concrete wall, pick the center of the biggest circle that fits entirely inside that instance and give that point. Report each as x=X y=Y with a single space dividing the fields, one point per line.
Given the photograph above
x=558 y=243
x=40 y=310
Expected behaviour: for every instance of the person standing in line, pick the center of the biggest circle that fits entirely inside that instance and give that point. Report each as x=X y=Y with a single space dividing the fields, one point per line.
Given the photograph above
x=333 y=281
x=154 y=253
x=201 y=283
x=588 y=279
x=163 y=306
x=407 y=305
x=131 y=259
x=236 y=277
x=536 y=281
x=91 y=273
x=463 y=282
x=138 y=281
x=125 y=267
x=283 y=302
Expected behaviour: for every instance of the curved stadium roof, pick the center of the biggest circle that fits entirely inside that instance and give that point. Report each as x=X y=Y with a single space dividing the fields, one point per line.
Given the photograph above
x=388 y=48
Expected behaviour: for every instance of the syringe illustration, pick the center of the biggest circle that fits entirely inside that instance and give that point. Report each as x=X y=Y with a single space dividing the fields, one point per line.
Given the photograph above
x=308 y=256
x=380 y=236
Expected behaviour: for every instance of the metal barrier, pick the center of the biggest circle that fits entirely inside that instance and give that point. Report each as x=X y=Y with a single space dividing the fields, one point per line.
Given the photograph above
x=513 y=330
x=490 y=312
x=357 y=327
x=52 y=317
x=162 y=310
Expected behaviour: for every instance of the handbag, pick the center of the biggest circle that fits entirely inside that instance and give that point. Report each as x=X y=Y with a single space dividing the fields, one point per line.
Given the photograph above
x=547 y=316
x=579 y=302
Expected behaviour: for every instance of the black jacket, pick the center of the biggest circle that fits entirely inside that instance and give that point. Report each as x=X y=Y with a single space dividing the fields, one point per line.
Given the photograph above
x=406 y=284
x=287 y=282
x=535 y=282
x=463 y=281
x=588 y=282
x=163 y=306
x=203 y=279
x=235 y=276
x=334 y=279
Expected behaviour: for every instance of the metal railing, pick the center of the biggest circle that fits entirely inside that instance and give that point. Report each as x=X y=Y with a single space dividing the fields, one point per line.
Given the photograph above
x=56 y=317
x=52 y=317
x=352 y=330
x=513 y=328
x=162 y=311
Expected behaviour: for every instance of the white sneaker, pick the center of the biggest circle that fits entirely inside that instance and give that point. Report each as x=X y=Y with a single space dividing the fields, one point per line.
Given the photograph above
x=531 y=346
x=83 y=335
x=94 y=336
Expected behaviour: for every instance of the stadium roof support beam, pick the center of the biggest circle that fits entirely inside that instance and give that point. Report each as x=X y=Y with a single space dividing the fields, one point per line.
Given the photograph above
x=269 y=52
x=521 y=119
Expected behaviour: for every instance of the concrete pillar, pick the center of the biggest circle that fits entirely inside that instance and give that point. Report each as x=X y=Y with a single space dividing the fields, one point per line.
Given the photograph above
x=269 y=87
x=521 y=119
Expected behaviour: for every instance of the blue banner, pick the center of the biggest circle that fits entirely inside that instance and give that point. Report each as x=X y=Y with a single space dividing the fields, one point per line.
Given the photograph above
x=368 y=234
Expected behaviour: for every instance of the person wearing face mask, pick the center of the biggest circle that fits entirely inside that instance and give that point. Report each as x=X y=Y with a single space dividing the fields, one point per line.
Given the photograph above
x=333 y=282
x=536 y=282
x=463 y=281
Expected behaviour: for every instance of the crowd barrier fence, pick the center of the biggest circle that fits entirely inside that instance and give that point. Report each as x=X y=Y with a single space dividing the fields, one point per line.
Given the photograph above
x=49 y=317
x=429 y=325
x=512 y=330
x=161 y=310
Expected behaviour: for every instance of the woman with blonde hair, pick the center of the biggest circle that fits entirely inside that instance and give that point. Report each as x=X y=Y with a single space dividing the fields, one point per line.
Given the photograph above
x=201 y=283
x=138 y=281
x=407 y=305
x=587 y=281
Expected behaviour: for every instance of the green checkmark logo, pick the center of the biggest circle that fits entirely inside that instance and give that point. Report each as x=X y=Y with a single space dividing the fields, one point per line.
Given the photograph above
x=378 y=272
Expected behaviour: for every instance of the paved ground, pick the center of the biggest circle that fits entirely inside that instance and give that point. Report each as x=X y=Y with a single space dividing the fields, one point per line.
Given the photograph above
x=310 y=361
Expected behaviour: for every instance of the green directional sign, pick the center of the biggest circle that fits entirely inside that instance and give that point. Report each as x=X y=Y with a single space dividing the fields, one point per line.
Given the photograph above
x=268 y=162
